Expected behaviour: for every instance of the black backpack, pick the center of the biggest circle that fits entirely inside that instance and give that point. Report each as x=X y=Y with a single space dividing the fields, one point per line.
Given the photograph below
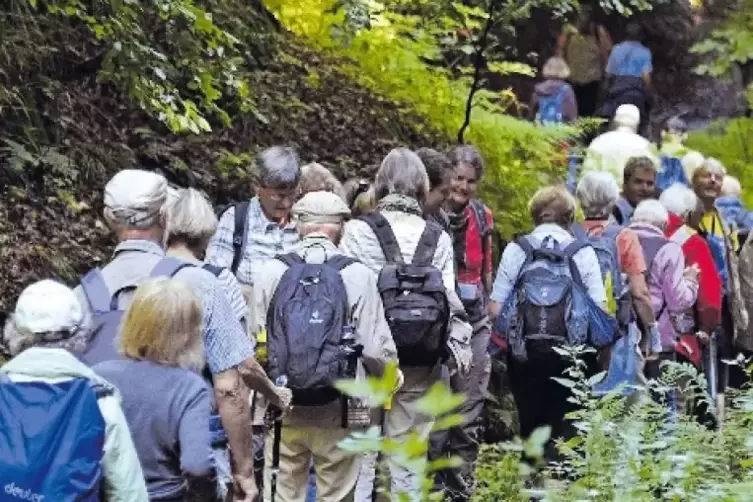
x=310 y=340
x=413 y=294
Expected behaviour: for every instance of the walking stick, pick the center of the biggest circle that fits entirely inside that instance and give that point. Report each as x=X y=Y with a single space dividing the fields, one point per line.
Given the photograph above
x=281 y=381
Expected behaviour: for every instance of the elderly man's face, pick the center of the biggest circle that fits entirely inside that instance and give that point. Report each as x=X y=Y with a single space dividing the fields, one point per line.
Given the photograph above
x=640 y=186
x=707 y=184
x=463 y=185
x=277 y=202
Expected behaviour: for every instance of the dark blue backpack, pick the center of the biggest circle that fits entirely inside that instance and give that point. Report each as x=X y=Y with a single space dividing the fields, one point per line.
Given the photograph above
x=52 y=440
x=551 y=108
x=670 y=172
x=308 y=329
x=107 y=316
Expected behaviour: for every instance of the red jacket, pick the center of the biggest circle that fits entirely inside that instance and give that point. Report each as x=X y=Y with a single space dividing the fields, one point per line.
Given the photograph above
x=696 y=250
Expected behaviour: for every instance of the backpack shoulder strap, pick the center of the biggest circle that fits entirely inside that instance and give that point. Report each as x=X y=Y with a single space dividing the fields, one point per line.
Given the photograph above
x=427 y=244
x=570 y=251
x=384 y=234
x=168 y=267
x=479 y=210
x=214 y=269
x=340 y=261
x=96 y=291
x=240 y=233
x=579 y=231
x=290 y=259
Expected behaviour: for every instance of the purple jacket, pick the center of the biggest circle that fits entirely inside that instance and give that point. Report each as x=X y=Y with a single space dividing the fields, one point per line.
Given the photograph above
x=670 y=290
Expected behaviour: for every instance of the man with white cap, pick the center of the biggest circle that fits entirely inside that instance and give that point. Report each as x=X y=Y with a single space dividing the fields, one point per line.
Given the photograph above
x=136 y=209
x=314 y=430
x=610 y=151
x=47 y=329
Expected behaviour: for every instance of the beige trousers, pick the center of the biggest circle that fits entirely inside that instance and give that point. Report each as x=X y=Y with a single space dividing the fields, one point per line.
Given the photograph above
x=336 y=469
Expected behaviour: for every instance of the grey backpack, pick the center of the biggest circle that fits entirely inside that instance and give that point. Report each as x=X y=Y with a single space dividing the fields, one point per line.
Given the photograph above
x=107 y=316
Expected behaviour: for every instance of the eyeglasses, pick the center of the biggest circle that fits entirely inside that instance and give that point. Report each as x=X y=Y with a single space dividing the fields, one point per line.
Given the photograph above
x=280 y=196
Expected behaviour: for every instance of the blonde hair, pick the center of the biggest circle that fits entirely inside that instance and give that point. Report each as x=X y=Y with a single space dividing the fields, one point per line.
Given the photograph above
x=315 y=177
x=163 y=325
x=552 y=204
x=192 y=220
x=556 y=68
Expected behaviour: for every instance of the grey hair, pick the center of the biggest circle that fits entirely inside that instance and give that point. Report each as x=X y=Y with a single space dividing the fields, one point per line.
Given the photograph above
x=651 y=211
x=679 y=199
x=192 y=220
x=315 y=177
x=332 y=229
x=16 y=339
x=278 y=167
x=597 y=193
x=402 y=173
x=469 y=155
x=731 y=186
x=713 y=165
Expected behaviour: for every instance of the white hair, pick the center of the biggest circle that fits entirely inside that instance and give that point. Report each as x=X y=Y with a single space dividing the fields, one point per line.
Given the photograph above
x=597 y=193
x=402 y=173
x=691 y=162
x=628 y=116
x=652 y=212
x=711 y=165
x=192 y=219
x=679 y=199
x=731 y=187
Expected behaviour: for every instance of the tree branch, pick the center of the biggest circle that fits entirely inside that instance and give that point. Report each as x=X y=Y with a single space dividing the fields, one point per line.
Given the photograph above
x=477 y=67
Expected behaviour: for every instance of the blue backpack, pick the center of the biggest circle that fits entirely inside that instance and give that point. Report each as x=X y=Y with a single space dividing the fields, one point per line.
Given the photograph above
x=53 y=440
x=670 y=172
x=546 y=304
x=107 y=316
x=605 y=247
x=551 y=107
x=309 y=335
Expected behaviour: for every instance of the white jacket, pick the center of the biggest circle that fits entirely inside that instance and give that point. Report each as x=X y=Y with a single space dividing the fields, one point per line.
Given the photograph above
x=610 y=152
x=123 y=479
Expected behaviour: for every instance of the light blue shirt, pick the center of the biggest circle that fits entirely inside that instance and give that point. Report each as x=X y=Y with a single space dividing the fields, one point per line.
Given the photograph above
x=629 y=59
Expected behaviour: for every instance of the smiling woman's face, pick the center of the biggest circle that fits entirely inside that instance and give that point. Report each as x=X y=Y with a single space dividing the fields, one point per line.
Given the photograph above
x=463 y=186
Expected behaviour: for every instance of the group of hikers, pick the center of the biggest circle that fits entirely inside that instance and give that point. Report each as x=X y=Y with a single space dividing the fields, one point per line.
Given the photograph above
x=200 y=362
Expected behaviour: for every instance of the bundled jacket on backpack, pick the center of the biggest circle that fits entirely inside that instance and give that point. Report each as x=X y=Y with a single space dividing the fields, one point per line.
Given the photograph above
x=670 y=290
x=554 y=92
x=734 y=212
x=121 y=470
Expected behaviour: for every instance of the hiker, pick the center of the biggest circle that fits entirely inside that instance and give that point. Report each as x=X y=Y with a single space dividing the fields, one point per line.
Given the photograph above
x=639 y=184
x=359 y=196
x=471 y=223
x=440 y=170
x=673 y=286
x=610 y=151
x=731 y=207
x=723 y=241
x=314 y=427
x=136 y=209
x=691 y=161
x=402 y=235
x=629 y=75
x=46 y=331
x=262 y=228
x=671 y=152
x=165 y=400
x=532 y=361
x=553 y=101
x=316 y=177
x=192 y=224
x=598 y=194
x=693 y=327
x=586 y=52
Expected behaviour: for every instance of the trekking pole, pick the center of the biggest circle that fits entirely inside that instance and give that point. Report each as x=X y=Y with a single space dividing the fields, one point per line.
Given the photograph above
x=378 y=460
x=712 y=375
x=281 y=381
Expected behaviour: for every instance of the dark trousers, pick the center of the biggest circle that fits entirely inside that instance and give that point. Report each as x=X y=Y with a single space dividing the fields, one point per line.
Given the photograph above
x=587 y=97
x=540 y=400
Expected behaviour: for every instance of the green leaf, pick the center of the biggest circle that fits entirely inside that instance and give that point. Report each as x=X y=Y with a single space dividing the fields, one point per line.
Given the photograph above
x=448 y=422
x=439 y=400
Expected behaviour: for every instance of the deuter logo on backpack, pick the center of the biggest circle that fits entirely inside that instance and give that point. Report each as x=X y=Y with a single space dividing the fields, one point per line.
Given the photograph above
x=23 y=494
